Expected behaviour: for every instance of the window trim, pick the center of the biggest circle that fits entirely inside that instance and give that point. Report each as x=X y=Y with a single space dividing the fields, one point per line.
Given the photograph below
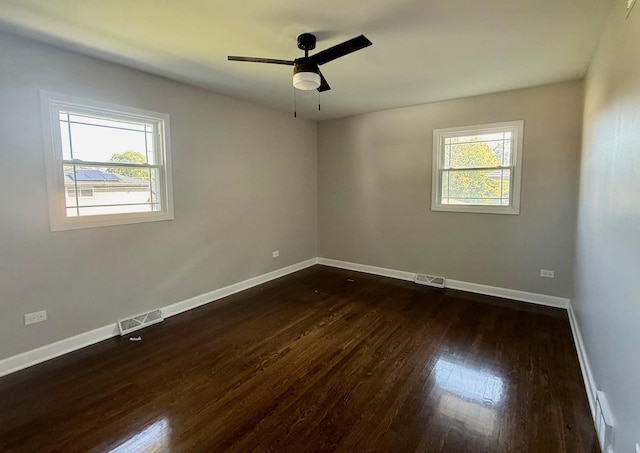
x=51 y=104
x=517 y=129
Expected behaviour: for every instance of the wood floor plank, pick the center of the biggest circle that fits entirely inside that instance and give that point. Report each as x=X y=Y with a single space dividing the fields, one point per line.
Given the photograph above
x=321 y=360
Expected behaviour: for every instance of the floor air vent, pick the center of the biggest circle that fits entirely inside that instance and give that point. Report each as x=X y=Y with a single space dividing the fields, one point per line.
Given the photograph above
x=138 y=322
x=430 y=280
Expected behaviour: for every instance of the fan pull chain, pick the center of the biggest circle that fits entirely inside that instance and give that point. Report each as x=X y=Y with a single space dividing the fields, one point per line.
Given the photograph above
x=318 y=101
x=295 y=112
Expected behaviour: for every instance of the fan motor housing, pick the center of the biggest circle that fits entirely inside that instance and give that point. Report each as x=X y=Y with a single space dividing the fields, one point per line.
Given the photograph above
x=303 y=65
x=306 y=41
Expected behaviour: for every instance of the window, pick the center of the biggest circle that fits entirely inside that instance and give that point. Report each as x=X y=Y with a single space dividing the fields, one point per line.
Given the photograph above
x=477 y=168
x=106 y=164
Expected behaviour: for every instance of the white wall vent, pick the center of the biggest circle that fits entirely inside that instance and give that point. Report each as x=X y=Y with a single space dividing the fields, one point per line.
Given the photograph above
x=138 y=322
x=604 y=423
x=430 y=280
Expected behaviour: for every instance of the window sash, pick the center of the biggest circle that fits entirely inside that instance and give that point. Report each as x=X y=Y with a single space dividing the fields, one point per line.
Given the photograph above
x=447 y=195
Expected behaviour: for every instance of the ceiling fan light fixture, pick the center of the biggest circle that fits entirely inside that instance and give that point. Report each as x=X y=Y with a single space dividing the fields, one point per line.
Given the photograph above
x=306 y=80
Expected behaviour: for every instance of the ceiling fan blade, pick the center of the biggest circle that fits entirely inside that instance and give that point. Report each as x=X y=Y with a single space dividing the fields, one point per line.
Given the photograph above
x=340 y=50
x=260 y=60
x=324 y=85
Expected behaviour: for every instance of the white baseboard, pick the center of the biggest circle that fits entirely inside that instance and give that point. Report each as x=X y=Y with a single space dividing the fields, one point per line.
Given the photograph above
x=401 y=275
x=53 y=350
x=217 y=294
x=514 y=294
x=587 y=375
x=523 y=296
x=50 y=351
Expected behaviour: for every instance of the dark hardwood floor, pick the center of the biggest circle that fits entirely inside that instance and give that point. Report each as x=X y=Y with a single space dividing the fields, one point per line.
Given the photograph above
x=321 y=360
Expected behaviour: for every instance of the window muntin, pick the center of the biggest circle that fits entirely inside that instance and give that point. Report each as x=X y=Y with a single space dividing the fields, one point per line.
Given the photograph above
x=477 y=168
x=107 y=164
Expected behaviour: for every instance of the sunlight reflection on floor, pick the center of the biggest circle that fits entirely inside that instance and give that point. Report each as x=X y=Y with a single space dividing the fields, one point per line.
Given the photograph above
x=470 y=395
x=152 y=438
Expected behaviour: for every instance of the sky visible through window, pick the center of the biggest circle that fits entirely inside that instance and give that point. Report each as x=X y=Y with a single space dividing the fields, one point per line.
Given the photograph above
x=95 y=139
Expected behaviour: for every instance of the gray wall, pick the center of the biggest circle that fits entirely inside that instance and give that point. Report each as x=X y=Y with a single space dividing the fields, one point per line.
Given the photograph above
x=244 y=183
x=607 y=294
x=374 y=192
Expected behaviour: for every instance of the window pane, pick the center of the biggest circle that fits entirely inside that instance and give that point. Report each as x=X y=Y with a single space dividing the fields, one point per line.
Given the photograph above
x=476 y=187
x=110 y=190
x=493 y=136
x=64 y=140
x=101 y=140
x=497 y=148
x=447 y=155
x=507 y=152
x=475 y=154
x=445 y=185
x=150 y=131
x=82 y=192
x=106 y=122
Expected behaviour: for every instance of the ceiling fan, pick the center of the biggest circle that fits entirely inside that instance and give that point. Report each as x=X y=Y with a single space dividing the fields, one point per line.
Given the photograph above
x=306 y=71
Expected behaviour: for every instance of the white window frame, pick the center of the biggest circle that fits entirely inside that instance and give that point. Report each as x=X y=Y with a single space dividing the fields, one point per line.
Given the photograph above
x=51 y=105
x=439 y=135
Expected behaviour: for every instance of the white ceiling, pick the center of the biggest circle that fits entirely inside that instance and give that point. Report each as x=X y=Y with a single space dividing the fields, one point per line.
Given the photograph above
x=423 y=50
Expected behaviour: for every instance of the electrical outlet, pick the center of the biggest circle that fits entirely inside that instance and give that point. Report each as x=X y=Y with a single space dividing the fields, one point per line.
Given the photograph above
x=276 y=254
x=32 y=318
x=547 y=274
x=637 y=448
